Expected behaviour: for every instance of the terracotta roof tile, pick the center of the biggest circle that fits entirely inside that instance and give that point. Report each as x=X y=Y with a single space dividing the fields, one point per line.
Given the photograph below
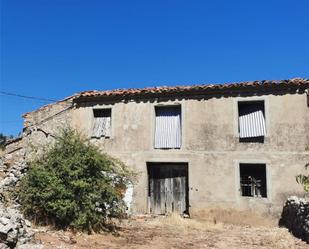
x=203 y=88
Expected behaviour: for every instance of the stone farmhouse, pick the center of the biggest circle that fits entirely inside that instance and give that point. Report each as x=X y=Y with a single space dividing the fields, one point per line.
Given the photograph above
x=237 y=145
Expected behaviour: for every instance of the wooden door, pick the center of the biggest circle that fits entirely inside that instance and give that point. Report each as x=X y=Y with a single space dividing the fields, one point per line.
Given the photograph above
x=168 y=188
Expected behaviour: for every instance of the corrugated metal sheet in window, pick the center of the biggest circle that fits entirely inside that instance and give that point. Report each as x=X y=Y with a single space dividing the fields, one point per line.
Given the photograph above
x=168 y=128
x=252 y=125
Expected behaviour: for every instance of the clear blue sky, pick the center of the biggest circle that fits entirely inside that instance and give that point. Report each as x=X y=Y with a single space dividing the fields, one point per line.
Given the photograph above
x=54 y=48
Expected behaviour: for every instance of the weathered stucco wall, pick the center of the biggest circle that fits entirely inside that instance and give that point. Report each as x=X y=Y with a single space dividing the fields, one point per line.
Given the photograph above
x=210 y=145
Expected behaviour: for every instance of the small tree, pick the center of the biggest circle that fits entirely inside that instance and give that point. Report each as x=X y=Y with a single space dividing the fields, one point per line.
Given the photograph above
x=304 y=179
x=73 y=185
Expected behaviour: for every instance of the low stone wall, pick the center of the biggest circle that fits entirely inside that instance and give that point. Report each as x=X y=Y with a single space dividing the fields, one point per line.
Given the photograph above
x=295 y=217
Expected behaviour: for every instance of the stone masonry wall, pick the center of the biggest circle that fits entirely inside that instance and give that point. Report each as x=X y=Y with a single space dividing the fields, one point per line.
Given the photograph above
x=40 y=128
x=15 y=230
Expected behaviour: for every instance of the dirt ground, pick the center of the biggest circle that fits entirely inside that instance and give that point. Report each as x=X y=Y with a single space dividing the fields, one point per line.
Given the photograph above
x=176 y=232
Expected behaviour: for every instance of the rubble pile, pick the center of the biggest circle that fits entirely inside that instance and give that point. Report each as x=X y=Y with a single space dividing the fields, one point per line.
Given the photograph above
x=15 y=230
x=295 y=217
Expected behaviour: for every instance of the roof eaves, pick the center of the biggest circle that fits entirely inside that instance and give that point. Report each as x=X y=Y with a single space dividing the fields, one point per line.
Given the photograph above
x=195 y=89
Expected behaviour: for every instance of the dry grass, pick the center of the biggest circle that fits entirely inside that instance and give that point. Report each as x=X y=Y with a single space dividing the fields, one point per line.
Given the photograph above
x=278 y=239
x=173 y=231
x=177 y=222
x=236 y=217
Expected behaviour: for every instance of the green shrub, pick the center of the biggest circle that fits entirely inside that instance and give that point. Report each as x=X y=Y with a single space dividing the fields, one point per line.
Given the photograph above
x=303 y=179
x=73 y=185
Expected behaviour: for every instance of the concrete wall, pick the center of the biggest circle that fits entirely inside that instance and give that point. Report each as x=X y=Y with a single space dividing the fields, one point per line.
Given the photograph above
x=210 y=145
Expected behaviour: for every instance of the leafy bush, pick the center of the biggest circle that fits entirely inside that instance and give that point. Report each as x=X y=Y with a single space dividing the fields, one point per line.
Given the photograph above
x=303 y=179
x=73 y=185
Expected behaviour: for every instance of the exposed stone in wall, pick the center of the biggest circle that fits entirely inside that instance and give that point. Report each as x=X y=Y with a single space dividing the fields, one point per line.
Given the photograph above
x=44 y=124
x=295 y=217
x=12 y=166
x=15 y=230
x=46 y=112
x=40 y=128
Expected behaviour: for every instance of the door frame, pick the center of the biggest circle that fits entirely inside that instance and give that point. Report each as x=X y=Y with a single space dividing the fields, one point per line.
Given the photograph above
x=186 y=164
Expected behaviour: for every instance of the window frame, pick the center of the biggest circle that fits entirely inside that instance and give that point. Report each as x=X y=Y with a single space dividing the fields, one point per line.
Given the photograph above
x=93 y=119
x=267 y=117
x=263 y=186
x=268 y=170
x=153 y=119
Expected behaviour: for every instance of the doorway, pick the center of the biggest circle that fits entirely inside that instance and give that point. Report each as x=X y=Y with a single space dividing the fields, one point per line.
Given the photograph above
x=168 y=188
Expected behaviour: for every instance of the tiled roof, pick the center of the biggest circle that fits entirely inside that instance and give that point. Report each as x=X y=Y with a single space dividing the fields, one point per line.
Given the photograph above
x=253 y=86
x=198 y=89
